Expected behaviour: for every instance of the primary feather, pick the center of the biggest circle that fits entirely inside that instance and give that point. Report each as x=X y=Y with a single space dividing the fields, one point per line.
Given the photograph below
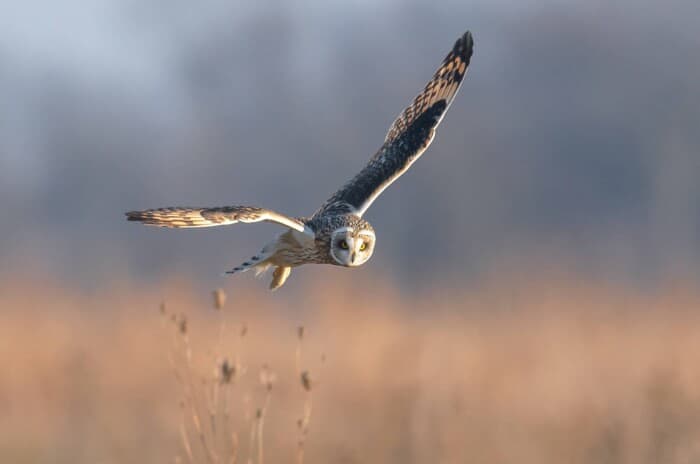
x=409 y=136
x=180 y=217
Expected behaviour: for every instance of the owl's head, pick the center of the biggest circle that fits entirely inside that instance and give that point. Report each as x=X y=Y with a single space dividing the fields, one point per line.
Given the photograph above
x=352 y=245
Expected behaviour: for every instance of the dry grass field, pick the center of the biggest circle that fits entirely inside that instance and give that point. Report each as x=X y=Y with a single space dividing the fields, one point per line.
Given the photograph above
x=506 y=372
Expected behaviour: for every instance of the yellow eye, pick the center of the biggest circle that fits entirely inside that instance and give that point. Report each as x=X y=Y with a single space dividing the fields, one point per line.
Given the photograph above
x=343 y=244
x=363 y=247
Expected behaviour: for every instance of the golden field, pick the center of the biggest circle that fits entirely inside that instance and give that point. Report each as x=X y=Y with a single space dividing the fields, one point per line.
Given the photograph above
x=552 y=371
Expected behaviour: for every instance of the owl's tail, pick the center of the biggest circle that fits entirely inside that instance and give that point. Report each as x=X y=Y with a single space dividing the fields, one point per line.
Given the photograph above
x=279 y=275
x=258 y=262
x=261 y=263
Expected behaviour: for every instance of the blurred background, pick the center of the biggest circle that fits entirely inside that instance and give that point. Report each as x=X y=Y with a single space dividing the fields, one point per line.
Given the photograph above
x=574 y=136
x=533 y=296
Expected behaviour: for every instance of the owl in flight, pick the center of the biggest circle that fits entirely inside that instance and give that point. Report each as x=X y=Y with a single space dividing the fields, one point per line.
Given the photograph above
x=336 y=233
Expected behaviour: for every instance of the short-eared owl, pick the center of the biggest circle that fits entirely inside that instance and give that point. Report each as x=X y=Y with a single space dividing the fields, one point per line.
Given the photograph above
x=337 y=233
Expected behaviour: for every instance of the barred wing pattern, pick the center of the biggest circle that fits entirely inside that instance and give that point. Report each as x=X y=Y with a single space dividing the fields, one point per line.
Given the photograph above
x=210 y=217
x=409 y=136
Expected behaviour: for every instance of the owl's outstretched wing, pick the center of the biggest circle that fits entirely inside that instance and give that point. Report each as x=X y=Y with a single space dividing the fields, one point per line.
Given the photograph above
x=210 y=217
x=409 y=136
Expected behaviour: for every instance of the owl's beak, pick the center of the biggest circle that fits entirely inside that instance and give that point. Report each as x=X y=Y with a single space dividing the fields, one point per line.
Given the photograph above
x=352 y=257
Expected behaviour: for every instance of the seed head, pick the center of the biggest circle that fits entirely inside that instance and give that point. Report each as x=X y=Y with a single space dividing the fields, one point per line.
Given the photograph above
x=182 y=324
x=227 y=372
x=267 y=377
x=306 y=381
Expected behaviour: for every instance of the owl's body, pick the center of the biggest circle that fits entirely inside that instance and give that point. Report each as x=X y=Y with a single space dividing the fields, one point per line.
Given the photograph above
x=337 y=234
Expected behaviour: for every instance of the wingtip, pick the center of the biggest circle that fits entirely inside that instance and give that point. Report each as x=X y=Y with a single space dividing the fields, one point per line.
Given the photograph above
x=465 y=45
x=135 y=216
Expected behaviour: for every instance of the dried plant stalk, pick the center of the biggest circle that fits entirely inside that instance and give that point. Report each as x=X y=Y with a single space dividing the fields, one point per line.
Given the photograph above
x=306 y=384
x=208 y=400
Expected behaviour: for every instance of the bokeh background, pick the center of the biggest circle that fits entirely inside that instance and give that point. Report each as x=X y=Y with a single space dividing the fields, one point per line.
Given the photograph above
x=575 y=134
x=533 y=296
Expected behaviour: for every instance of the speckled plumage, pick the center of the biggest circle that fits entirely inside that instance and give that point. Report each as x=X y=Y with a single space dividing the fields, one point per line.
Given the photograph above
x=336 y=233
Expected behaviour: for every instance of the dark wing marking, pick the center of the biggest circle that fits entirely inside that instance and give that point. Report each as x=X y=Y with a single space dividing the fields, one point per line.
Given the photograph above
x=211 y=217
x=409 y=135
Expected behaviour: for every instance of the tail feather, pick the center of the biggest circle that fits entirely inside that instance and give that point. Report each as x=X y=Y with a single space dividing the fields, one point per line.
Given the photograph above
x=264 y=260
x=258 y=262
x=261 y=269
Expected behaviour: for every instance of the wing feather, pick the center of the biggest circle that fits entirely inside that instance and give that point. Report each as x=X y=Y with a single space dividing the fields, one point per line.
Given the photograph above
x=180 y=217
x=409 y=136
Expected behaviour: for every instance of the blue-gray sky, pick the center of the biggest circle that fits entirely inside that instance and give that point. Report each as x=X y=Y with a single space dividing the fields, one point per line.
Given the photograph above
x=575 y=133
